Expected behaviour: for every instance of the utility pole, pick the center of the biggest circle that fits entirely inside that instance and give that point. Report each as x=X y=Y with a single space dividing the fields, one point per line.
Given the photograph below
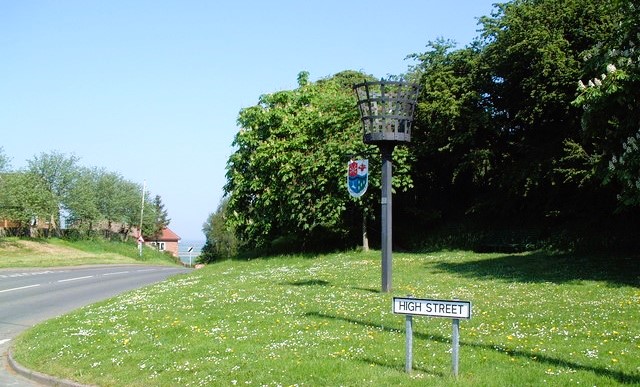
x=144 y=187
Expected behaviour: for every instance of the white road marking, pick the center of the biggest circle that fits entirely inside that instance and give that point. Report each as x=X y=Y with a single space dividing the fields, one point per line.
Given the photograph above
x=119 y=272
x=139 y=271
x=15 y=275
x=21 y=287
x=4 y=341
x=76 y=278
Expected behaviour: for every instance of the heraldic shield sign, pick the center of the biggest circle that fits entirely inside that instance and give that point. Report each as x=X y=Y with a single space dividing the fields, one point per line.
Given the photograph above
x=358 y=177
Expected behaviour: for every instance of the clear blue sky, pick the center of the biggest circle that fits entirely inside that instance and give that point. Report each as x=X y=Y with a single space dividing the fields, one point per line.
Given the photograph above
x=152 y=89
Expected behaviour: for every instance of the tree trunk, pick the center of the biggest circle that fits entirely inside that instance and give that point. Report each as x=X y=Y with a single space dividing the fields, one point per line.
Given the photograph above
x=53 y=226
x=365 y=236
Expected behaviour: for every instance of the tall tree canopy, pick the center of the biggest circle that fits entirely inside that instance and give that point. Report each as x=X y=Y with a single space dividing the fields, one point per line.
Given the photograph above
x=221 y=241
x=502 y=133
x=25 y=199
x=90 y=200
x=610 y=98
x=454 y=145
x=59 y=173
x=4 y=160
x=160 y=217
x=530 y=63
x=82 y=204
x=495 y=118
x=286 y=180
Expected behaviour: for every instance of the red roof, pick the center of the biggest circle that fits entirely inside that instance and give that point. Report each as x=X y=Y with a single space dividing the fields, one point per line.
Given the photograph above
x=168 y=236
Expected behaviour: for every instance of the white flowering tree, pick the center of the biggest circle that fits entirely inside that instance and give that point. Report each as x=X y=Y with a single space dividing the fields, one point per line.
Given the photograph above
x=611 y=108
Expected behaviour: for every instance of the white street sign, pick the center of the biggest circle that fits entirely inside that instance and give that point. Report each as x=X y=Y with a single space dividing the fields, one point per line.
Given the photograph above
x=433 y=308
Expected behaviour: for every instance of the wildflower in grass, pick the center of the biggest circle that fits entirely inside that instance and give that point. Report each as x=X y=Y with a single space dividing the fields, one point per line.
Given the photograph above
x=524 y=318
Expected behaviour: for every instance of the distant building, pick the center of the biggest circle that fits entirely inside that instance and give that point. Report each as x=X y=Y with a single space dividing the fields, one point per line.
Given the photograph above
x=166 y=241
x=34 y=228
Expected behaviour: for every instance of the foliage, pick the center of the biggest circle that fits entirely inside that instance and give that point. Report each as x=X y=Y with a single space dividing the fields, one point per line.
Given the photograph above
x=530 y=61
x=5 y=162
x=25 y=198
x=101 y=200
x=221 y=241
x=497 y=139
x=160 y=217
x=82 y=204
x=90 y=200
x=537 y=319
x=610 y=98
x=286 y=180
x=455 y=150
x=119 y=201
x=59 y=173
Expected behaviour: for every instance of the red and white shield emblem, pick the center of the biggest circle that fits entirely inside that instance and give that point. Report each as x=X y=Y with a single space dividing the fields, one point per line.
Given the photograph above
x=358 y=177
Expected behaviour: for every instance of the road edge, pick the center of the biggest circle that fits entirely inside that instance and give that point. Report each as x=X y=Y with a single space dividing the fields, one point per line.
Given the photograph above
x=36 y=376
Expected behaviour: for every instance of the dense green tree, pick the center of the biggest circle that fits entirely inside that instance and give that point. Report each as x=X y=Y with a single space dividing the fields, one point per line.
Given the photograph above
x=530 y=63
x=149 y=226
x=58 y=172
x=286 y=180
x=135 y=202
x=102 y=200
x=25 y=199
x=610 y=97
x=5 y=162
x=160 y=217
x=115 y=196
x=496 y=134
x=454 y=146
x=119 y=203
x=82 y=202
x=91 y=199
x=221 y=241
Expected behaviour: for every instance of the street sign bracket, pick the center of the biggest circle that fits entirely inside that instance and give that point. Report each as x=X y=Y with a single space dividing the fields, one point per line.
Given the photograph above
x=453 y=309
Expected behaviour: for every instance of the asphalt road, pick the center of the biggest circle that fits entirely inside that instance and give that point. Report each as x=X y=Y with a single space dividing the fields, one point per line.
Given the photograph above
x=30 y=296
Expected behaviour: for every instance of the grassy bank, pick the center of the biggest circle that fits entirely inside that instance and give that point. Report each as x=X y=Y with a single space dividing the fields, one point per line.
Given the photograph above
x=537 y=320
x=18 y=253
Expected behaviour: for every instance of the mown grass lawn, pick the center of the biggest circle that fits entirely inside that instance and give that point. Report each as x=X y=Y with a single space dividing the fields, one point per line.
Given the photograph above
x=537 y=320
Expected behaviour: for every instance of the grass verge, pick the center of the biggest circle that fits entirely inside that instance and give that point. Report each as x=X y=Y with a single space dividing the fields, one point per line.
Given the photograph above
x=537 y=320
x=19 y=253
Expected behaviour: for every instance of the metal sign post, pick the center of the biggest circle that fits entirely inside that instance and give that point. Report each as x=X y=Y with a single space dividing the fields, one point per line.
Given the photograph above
x=140 y=242
x=454 y=310
x=408 y=363
x=190 y=250
x=455 y=346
